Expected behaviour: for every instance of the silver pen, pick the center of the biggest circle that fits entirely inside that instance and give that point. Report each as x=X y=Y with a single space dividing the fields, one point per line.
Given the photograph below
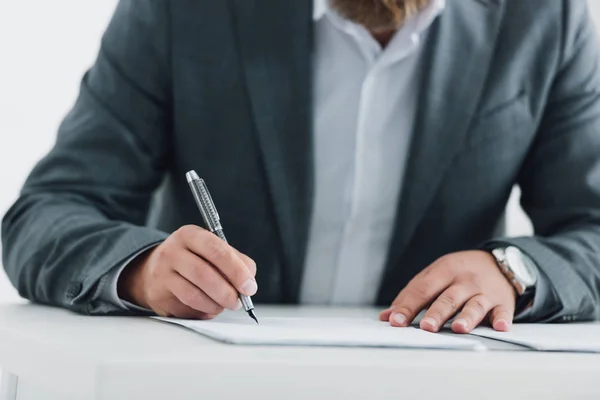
x=213 y=223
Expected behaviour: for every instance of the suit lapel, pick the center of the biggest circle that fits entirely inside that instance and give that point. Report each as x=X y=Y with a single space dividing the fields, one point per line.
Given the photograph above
x=275 y=40
x=459 y=49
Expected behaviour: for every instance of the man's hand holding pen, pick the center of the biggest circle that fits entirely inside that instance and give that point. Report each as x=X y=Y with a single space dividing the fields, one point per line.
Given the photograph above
x=192 y=274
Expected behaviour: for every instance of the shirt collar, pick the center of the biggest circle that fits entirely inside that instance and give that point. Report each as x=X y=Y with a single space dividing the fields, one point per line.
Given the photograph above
x=319 y=9
x=425 y=17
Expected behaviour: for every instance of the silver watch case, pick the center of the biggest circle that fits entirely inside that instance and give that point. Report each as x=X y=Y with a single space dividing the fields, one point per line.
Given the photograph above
x=517 y=267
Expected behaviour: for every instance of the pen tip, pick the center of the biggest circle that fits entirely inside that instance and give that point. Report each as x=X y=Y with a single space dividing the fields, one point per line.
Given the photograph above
x=251 y=314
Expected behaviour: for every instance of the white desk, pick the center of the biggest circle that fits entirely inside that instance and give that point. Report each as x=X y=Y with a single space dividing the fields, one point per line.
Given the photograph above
x=52 y=354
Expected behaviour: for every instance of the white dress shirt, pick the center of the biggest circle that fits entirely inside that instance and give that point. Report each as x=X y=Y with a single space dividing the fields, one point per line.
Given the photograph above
x=364 y=107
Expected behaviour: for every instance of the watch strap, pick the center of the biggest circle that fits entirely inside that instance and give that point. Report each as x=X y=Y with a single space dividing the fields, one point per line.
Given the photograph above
x=525 y=300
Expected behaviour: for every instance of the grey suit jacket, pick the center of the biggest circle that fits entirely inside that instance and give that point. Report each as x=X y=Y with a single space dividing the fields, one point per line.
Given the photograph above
x=510 y=94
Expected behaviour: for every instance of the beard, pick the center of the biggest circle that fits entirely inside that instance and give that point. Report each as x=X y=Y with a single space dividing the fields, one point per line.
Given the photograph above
x=378 y=15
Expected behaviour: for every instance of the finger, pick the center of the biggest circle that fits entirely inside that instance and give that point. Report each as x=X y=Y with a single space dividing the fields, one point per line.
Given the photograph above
x=205 y=277
x=446 y=306
x=472 y=314
x=192 y=296
x=248 y=261
x=419 y=293
x=501 y=318
x=222 y=256
x=385 y=314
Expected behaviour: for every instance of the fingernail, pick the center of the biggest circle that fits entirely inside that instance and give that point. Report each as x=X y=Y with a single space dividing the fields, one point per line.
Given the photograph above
x=250 y=287
x=238 y=305
x=430 y=321
x=399 y=319
x=462 y=323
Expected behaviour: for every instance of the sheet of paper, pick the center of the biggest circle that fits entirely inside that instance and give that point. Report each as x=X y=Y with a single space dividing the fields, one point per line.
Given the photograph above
x=580 y=337
x=354 y=332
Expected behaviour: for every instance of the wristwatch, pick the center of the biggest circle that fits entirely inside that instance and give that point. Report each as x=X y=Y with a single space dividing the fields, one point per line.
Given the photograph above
x=521 y=272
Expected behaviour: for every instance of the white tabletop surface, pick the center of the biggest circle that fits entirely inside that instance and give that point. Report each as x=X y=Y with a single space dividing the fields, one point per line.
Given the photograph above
x=130 y=358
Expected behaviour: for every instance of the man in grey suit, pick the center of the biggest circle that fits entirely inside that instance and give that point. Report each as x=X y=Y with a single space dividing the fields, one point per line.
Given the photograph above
x=359 y=152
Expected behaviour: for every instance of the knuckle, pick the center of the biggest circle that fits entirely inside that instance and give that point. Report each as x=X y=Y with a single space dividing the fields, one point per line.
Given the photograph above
x=192 y=298
x=449 y=262
x=472 y=277
x=162 y=253
x=420 y=292
x=187 y=232
x=218 y=249
x=445 y=260
x=436 y=271
x=447 y=302
x=427 y=272
x=479 y=305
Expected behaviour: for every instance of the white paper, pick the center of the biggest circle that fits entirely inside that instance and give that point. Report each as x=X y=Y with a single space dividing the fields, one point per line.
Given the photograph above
x=355 y=332
x=580 y=337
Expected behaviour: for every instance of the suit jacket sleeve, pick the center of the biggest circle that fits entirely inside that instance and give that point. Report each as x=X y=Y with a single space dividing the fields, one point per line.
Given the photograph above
x=82 y=209
x=560 y=179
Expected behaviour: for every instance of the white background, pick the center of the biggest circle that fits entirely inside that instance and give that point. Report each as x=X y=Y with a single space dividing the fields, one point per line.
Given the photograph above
x=45 y=47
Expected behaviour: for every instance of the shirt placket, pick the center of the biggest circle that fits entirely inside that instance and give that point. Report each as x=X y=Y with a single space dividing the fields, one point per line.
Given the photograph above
x=351 y=247
x=353 y=255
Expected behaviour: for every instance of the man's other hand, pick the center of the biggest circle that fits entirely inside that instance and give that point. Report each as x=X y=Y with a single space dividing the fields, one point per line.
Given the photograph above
x=468 y=283
x=192 y=274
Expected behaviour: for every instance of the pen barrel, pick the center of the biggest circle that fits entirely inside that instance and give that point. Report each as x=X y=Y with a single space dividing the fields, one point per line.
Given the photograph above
x=211 y=219
x=246 y=302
